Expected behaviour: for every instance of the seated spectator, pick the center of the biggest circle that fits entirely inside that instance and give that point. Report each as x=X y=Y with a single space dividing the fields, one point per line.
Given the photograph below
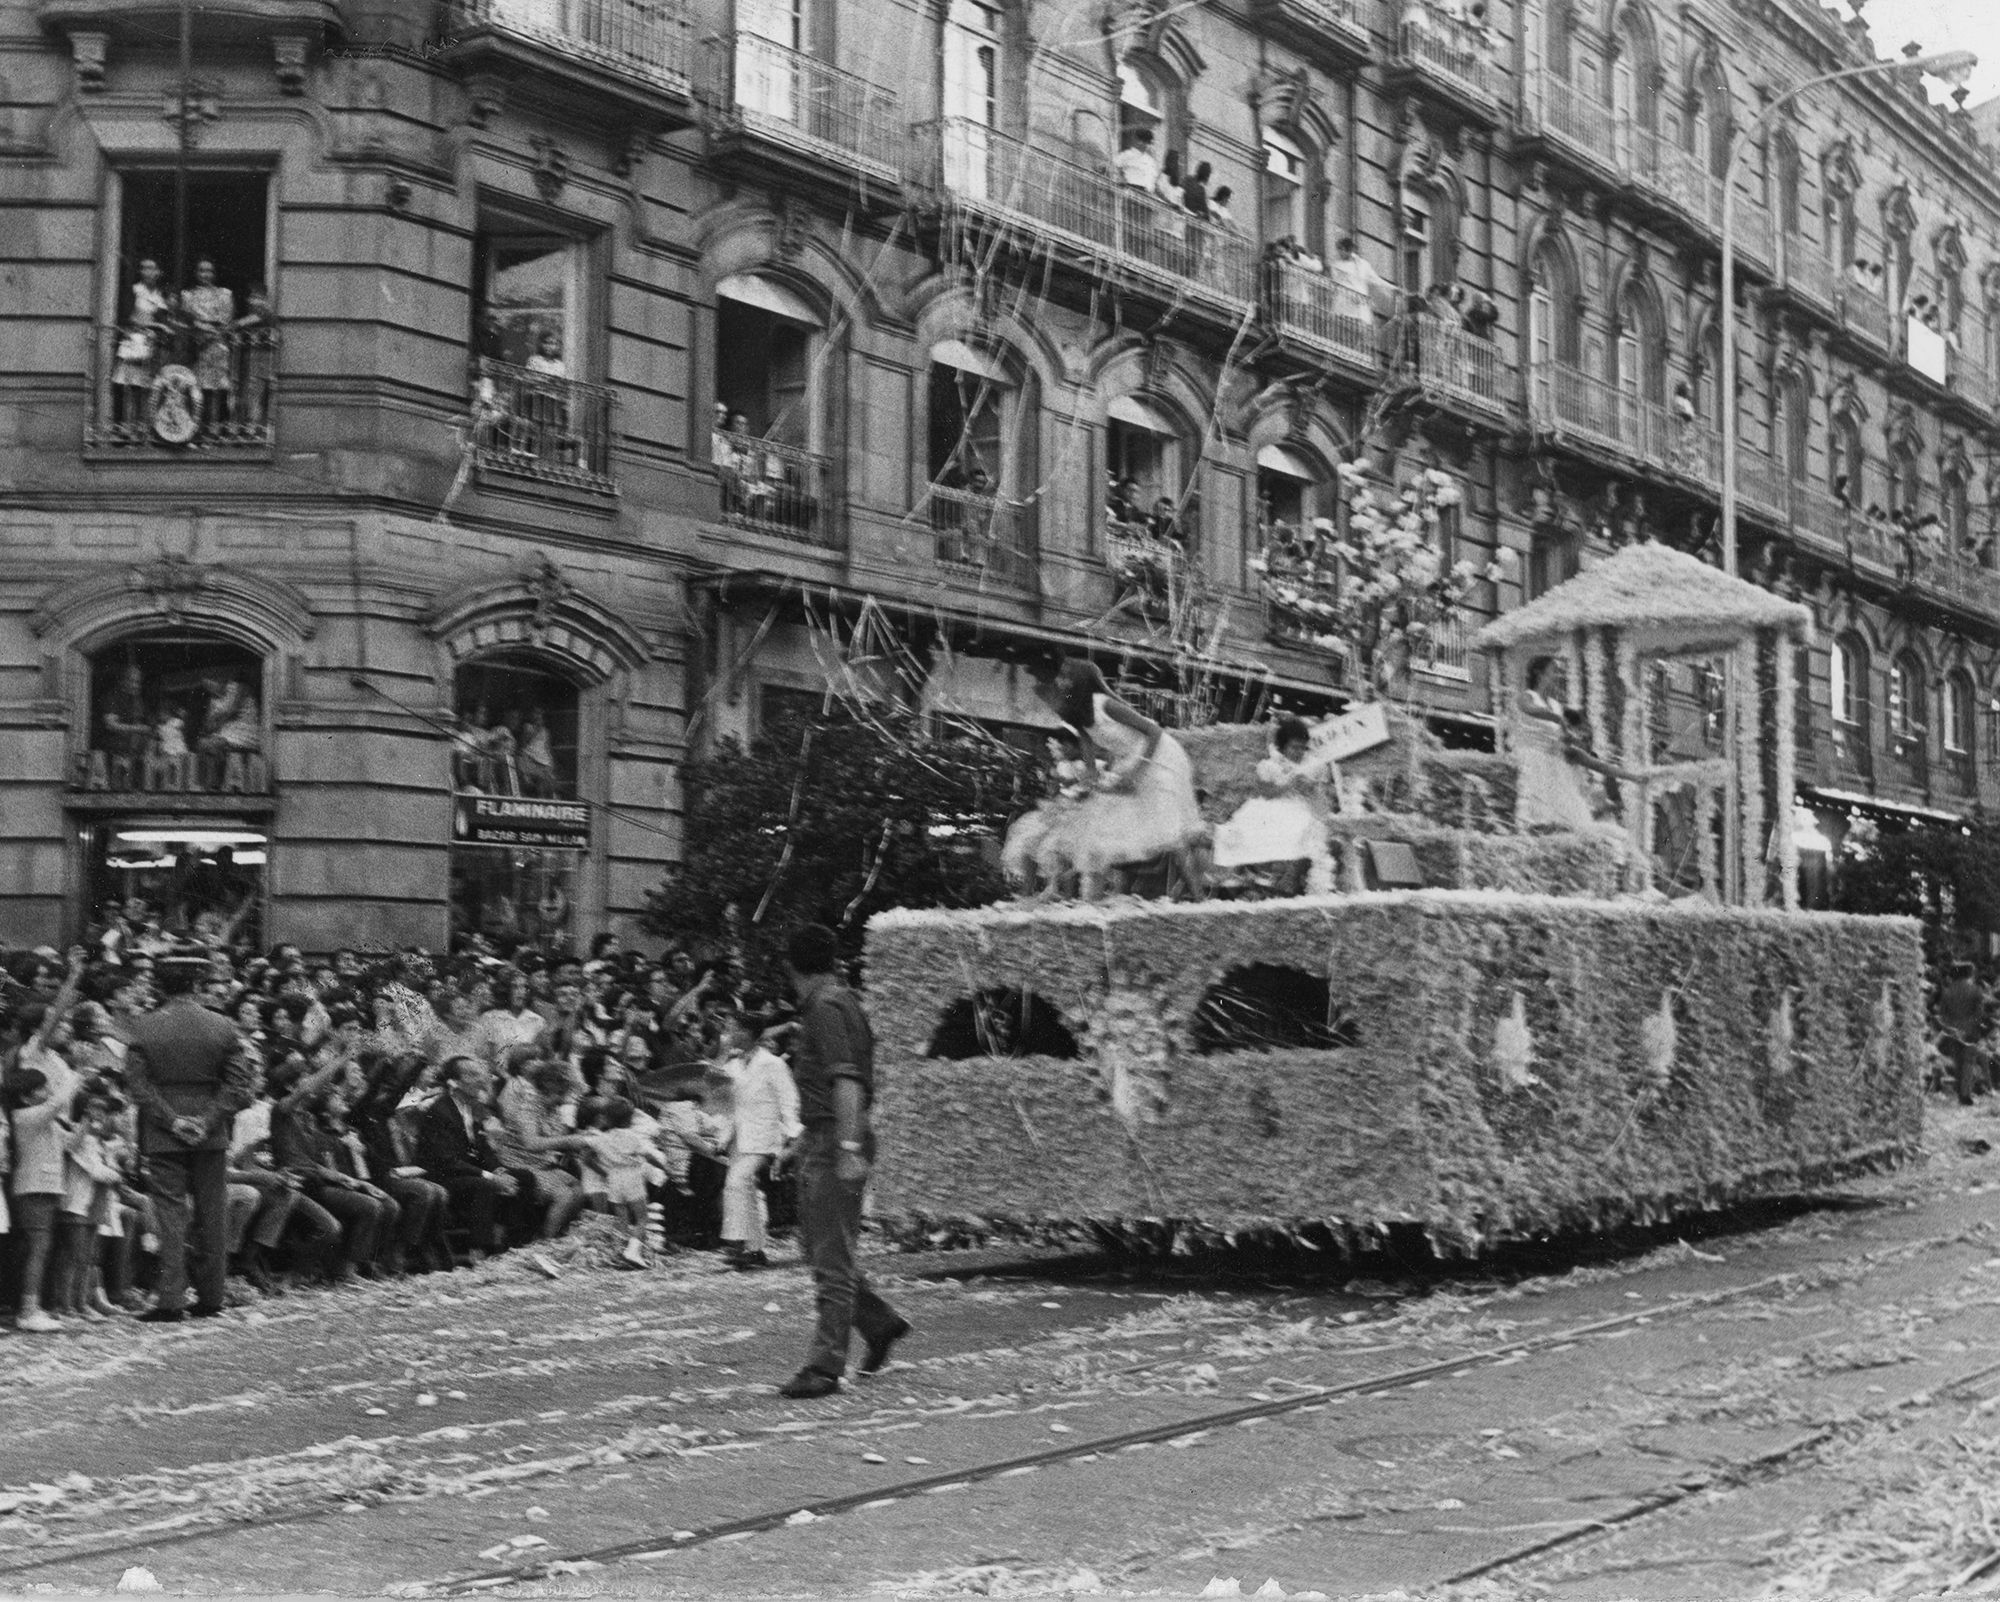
x=453 y=1150
x=388 y=1149
x=306 y=1124
x=531 y=1134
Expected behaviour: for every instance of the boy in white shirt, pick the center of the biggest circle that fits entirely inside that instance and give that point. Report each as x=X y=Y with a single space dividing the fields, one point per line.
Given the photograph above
x=764 y=1107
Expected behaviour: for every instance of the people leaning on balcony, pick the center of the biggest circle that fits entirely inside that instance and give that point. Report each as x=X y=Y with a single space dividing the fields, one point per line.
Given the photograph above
x=1219 y=214
x=1138 y=167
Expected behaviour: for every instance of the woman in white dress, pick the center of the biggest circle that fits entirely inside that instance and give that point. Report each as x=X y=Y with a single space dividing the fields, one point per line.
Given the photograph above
x=1139 y=799
x=1286 y=824
x=1549 y=788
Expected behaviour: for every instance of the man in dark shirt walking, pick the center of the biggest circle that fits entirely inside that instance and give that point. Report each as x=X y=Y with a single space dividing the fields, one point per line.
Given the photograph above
x=834 y=1065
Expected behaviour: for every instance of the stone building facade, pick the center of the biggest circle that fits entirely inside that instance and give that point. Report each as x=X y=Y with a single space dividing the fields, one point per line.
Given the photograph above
x=575 y=382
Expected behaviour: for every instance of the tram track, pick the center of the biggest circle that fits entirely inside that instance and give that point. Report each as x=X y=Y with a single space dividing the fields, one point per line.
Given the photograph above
x=663 y=1544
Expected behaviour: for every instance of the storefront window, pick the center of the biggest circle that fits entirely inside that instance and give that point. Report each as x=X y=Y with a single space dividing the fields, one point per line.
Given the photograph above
x=200 y=878
x=519 y=833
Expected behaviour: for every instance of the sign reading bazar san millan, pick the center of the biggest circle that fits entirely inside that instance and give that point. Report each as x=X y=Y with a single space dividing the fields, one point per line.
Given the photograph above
x=500 y=820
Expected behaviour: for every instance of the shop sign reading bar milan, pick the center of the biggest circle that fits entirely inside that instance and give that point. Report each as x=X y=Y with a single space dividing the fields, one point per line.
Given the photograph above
x=501 y=820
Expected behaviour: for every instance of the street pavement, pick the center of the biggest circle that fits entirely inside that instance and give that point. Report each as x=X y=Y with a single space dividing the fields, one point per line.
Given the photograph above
x=1805 y=1409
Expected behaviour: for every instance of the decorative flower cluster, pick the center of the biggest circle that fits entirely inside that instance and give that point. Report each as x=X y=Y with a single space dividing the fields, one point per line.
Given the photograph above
x=1381 y=584
x=1144 y=563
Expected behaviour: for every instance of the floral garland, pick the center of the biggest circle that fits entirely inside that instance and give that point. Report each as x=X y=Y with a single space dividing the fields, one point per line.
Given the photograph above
x=1750 y=771
x=1378 y=582
x=1788 y=756
x=1144 y=562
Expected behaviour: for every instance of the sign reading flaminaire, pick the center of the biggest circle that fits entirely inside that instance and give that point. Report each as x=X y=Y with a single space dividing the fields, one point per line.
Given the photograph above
x=502 y=820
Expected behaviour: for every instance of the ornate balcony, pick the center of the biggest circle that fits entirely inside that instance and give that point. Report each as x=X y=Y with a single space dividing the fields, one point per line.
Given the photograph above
x=537 y=426
x=1809 y=276
x=790 y=111
x=1457 y=368
x=1310 y=307
x=147 y=392
x=1447 y=655
x=1333 y=33
x=631 y=60
x=216 y=23
x=1099 y=227
x=1449 y=57
x=775 y=488
x=985 y=538
x=1570 y=121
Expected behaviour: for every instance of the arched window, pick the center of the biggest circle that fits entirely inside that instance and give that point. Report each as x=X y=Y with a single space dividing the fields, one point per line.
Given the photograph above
x=1289 y=192
x=1847 y=682
x=1554 y=330
x=1636 y=350
x=1791 y=424
x=1786 y=169
x=1959 y=718
x=518 y=741
x=1148 y=459
x=970 y=101
x=982 y=423
x=1708 y=124
x=769 y=443
x=1906 y=478
x=1846 y=474
x=1145 y=105
x=1907 y=710
x=176 y=727
x=1635 y=71
x=1955 y=497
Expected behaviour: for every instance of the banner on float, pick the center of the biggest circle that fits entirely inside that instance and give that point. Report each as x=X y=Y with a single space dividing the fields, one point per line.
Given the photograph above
x=503 y=820
x=1348 y=735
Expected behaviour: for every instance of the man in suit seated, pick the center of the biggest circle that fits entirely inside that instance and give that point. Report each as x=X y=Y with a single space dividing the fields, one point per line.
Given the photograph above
x=453 y=1150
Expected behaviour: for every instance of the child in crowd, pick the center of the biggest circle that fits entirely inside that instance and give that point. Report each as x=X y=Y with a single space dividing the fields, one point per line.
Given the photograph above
x=37 y=1106
x=626 y=1158
x=763 y=1125
x=89 y=1178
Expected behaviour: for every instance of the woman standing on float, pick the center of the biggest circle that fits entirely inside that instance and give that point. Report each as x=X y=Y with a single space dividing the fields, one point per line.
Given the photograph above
x=1139 y=802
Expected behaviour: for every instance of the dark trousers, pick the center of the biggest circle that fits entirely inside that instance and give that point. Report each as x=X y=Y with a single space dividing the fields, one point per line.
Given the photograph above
x=424 y=1203
x=191 y=1197
x=475 y=1204
x=830 y=1231
x=367 y=1222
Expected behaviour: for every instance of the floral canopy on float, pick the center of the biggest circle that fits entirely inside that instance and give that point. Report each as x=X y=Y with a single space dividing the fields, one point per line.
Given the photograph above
x=1686 y=681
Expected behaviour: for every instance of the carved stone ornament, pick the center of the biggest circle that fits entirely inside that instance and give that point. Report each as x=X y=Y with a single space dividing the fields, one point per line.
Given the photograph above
x=793 y=220
x=548 y=587
x=171 y=582
x=551 y=166
x=202 y=106
x=87 y=53
x=288 y=51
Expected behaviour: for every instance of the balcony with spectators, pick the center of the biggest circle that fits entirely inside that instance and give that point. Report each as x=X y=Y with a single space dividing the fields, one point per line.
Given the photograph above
x=1099 y=227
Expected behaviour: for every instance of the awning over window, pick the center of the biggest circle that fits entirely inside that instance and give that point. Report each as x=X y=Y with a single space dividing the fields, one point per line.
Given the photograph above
x=748 y=289
x=1141 y=414
x=956 y=353
x=1279 y=459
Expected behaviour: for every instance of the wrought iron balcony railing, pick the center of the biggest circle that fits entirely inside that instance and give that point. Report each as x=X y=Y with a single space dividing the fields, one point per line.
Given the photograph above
x=985 y=536
x=644 y=41
x=795 y=99
x=1453 y=362
x=169 y=387
x=541 y=426
x=776 y=488
x=1113 y=226
x=1310 y=305
x=1438 y=44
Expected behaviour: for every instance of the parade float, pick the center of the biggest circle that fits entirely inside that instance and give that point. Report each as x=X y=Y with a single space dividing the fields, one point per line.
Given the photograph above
x=1513 y=1032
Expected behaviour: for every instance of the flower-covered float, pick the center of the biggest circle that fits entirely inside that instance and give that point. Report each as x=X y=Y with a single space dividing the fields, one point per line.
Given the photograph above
x=1478 y=1061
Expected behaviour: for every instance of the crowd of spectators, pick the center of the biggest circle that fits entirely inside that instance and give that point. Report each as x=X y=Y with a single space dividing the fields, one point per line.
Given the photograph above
x=406 y=1113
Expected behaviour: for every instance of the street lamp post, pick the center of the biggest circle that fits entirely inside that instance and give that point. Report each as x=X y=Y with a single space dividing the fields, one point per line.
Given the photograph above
x=1946 y=64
